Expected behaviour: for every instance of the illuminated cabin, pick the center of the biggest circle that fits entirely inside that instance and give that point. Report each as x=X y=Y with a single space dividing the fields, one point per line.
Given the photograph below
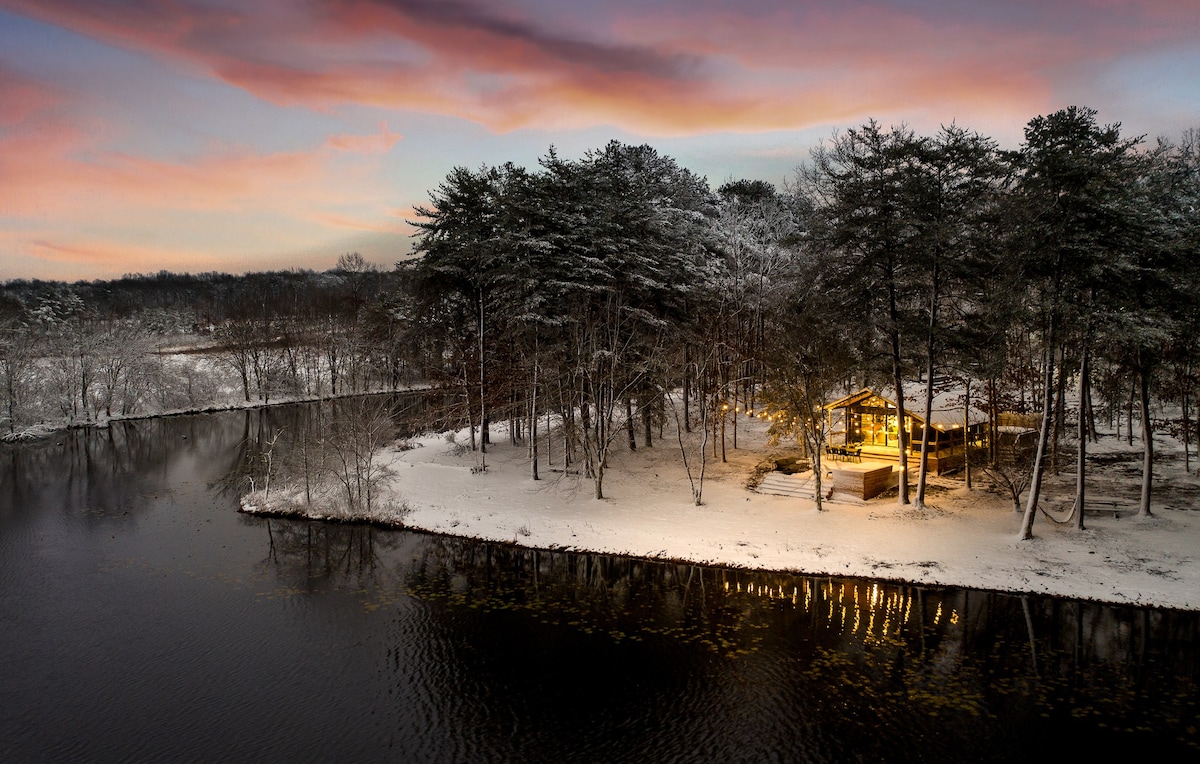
x=864 y=427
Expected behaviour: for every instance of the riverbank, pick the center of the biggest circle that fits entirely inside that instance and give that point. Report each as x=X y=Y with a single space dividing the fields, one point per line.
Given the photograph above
x=963 y=538
x=228 y=403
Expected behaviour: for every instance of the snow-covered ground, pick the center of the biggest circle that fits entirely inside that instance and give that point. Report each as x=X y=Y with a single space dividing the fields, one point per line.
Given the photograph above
x=961 y=539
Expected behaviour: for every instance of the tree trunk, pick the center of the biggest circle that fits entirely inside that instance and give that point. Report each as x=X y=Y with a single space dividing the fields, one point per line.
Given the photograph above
x=967 y=432
x=993 y=423
x=629 y=427
x=1081 y=461
x=902 y=437
x=1091 y=415
x=818 y=484
x=1035 y=481
x=923 y=470
x=724 y=412
x=1060 y=407
x=687 y=387
x=533 y=419
x=1187 y=446
x=647 y=422
x=483 y=420
x=1147 y=440
x=470 y=411
x=1129 y=411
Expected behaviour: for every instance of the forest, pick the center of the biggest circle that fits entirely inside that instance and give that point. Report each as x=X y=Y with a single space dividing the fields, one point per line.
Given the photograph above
x=617 y=293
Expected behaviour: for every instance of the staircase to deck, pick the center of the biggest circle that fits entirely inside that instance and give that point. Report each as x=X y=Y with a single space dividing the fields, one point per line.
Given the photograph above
x=800 y=486
x=853 y=483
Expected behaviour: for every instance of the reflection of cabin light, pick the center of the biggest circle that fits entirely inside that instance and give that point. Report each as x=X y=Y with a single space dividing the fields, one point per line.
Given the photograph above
x=938 y=617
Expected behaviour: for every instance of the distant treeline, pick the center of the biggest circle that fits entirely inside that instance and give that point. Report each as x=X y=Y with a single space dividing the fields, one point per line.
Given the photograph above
x=200 y=299
x=88 y=350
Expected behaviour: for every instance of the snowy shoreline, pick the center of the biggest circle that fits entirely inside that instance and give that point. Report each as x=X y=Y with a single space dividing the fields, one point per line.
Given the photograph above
x=962 y=539
x=46 y=429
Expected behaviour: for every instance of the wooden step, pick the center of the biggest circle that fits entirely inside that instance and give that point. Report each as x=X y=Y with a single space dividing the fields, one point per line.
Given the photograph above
x=780 y=484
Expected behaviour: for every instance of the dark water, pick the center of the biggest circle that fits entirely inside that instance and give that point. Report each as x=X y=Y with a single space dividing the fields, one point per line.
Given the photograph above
x=143 y=619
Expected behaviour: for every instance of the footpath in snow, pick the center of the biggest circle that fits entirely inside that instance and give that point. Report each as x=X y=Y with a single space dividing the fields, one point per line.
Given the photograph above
x=963 y=538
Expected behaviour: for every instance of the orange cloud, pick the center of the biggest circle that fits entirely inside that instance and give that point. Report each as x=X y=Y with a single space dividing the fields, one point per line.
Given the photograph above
x=380 y=143
x=56 y=167
x=73 y=258
x=373 y=225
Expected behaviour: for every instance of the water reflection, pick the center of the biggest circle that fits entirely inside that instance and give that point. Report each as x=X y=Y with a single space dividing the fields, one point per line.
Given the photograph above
x=953 y=655
x=900 y=663
x=101 y=470
x=320 y=554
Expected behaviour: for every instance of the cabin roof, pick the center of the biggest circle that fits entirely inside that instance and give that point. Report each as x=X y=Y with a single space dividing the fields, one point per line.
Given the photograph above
x=947 y=404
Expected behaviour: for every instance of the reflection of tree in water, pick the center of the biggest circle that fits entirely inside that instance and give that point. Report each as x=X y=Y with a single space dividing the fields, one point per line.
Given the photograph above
x=109 y=471
x=882 y=650
x=343 y=555
x=623 y=597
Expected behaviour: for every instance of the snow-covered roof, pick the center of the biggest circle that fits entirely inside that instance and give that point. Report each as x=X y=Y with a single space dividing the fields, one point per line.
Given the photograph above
x=947 y=411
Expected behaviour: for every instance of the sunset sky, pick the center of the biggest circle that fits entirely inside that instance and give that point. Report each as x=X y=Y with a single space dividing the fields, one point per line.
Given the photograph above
x=199 y=135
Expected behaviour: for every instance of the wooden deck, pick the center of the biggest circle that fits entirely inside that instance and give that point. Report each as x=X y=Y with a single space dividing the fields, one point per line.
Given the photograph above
x=864 y=480
x=940 y=462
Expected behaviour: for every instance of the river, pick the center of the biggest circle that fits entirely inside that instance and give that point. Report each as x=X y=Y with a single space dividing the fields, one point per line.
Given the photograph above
x=142 y=618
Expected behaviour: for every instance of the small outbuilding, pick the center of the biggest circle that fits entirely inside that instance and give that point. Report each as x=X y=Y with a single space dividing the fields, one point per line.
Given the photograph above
x=865 y=426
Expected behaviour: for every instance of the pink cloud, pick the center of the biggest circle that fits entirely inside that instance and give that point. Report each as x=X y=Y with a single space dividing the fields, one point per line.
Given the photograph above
x=690 y=69
x=21 y=98
x=64 y=192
